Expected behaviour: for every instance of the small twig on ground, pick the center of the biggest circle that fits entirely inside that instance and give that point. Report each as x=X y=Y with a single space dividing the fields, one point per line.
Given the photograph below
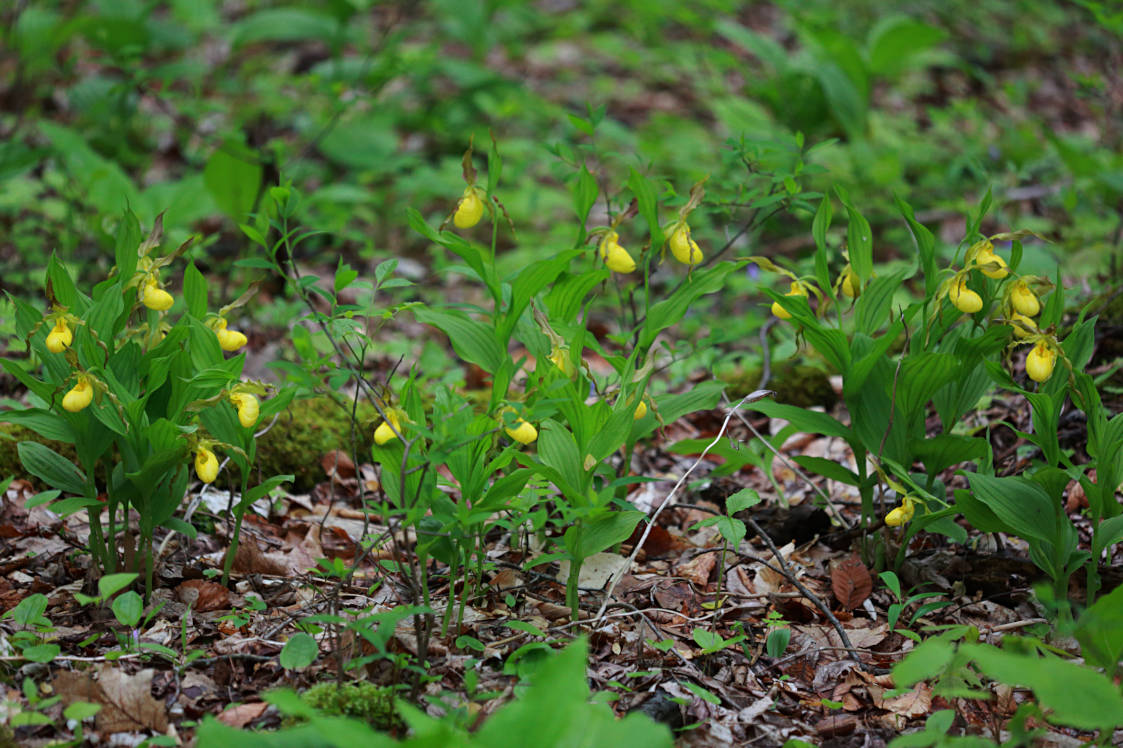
x=791 y=577
x=751 y=397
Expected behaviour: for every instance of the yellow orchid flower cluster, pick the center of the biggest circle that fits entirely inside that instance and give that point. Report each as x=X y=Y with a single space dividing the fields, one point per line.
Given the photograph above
x=1020 y=302
x=678 y=238
x=248 y=408
x=59 y=339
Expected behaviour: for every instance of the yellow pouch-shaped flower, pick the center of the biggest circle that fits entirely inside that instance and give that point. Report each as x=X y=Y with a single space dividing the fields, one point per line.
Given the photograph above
x=797 y=289
x=80 y=396
x=1024 y=300
x=247 y=406
x=154 y=297
x=615 y=257
x=469 y=210
x=384 y=433
x=683 y=247
x=228 y=340
x=849 y=285
x=963 y=298
x=206 y=465
x=1040 y=362
x=60 y=338
x=523 y=432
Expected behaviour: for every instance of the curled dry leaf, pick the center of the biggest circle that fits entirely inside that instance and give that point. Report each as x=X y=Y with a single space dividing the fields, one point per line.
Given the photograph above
x=203 y=595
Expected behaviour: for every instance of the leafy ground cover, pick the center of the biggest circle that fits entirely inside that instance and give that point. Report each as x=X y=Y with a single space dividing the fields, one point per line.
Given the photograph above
x=484 y=373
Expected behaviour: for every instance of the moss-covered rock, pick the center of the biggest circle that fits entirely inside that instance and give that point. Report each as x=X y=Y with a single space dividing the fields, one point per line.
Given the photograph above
x=360 y=700
x=305 y=431
x=794 y=384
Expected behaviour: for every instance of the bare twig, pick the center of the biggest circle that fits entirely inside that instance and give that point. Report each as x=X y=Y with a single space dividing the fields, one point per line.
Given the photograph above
x=749 y=398
x=791 y=577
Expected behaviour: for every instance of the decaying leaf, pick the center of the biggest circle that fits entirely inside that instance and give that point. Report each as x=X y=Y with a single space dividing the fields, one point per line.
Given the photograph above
x=127 y=702
x=851 y=582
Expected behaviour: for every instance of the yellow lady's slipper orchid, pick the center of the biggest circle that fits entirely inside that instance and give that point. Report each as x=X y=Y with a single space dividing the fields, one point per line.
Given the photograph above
x=80 y=396
x=60 y=338
x=154 y=297
x=902 y=514
x=247 y=406
x=206 y=465
x=523 y=432
x=228 y=340
x=469 y=210
x=385 y=431
x=991 y=265
x=615 y=257
x=797 y=289
x=1024 y=300
x=641 y=410
x=683 y=247
x=963 y=298
x=1026 y=322
x=850 y=286
x=560 y=358
x=1041 y=361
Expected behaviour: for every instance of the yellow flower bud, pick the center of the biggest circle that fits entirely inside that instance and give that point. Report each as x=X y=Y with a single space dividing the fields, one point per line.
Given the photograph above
x=60 y=338
x=991 y=264
x=469 y=210
x=523 y=432
x=683 y=247
x=80 y=396
x=850 y=286
x=1026 y=322
x=154 y=297
x=615 y=257
x=963 y=298
x=206 y=465
x=1024 y=300
x=384 y=433
x=641 y=410
x=248 y=408
x=797 y=289
x=1040 y=362
x=228 y=340
x=560 y=358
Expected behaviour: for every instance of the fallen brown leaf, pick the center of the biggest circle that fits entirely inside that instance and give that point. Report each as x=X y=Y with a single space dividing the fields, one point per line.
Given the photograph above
x=128 y=702
x=243 y=714
x=203 y=595
x=851 y=582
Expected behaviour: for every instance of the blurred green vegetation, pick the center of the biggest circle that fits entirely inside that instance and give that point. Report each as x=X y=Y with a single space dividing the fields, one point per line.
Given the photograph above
x=193 y=107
